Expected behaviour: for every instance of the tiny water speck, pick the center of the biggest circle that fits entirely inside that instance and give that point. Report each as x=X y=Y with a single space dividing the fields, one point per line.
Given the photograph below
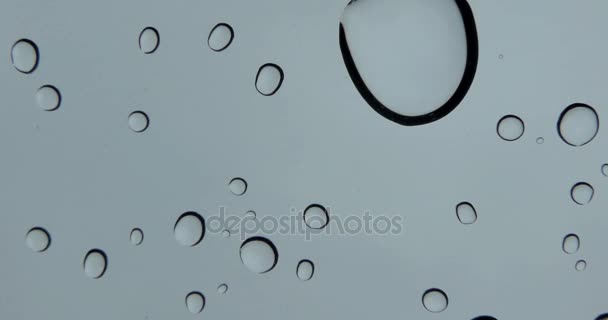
x=222 y=288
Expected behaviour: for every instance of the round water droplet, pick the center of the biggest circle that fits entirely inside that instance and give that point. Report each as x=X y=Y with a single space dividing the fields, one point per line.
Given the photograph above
x=220 y=37
x=466 y=213
x=259 y=254
x=137 y=236
x=305 y=270
x=138 y=121
x=578 y=124
x=582 y=193
x=222 y=288
x=48 y=98
x=250 y=214
x=195 y=302
x=510 y=128
x=571 y=244
x=149 y=40
x=540 y=140
x=38 y=239
x=435 y=300
x=269 y=79
x=605 y=170
x=316 y=217
x=24 y=55
x=602 y=317
x=95 y=263
x=580 y=265
x=226 y=234
x=189 y=229
x=238 y=186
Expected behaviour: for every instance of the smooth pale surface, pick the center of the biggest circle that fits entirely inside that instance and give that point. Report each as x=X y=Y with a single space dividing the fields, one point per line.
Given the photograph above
x=24 y=56
x=571 y=244
x=510 y=128
x=316 y=217
x=95 y=264
x=189 y=230
x=48 y=98
x=258 y=256
x=220 y=37
x=268 y=80
x=466 y=213
x=582 y=193
x=38 y=239
x=195 y=302
x=305 y=270
x=148 y=40
x=435 y=301
x=411 y=54
x=138 y=121
x=579 y=126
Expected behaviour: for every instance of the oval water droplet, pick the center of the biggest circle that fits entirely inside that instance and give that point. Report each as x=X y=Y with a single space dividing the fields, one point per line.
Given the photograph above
x=38 y=239
x=250 y=214
x=48 y=98
x=305 y=270
x=137 y=236
x=315 y=216
x=510 y=128
x=138 y=121
x=269 y=79
x=24 y=56
x=95 y=264
x=238 y=186
x=149 y=40
x=220 y=37
x=578 y=124
x=571 y=244
x=435 y=300
x=189 y=229
x=466 y=213
x=540 y=140
x=580 y=265
x=605 y=170
x=195 y=302
x=259 y=254
x=582 y=193
x=222 y=288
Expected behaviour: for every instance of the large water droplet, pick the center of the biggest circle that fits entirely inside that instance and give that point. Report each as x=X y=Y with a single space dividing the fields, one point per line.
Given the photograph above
x=38 y=239
x=435 y=300
x=95 y=263
x=578 y=124
x=510 y=128
x=220 y=37
x=48 y=98
x=238 y=186
x=189 y=229
x=485 y=318
x=602 y=317
x=195 y=302
x=149 y=40
x=137 y=236
x=24 y=55
x=269 y=79
x=305 y=270
x=582 y=193
x=571 y=244
x=259 y=254
x=466 y=213
x=315 y=216
x=222 y=288
x=580 y=265
x=138 y=121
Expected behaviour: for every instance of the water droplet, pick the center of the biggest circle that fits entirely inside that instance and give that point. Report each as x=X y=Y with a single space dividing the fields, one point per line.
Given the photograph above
x=485 y=318
x=250 y=214
x=195 y=302
x=189 y=229
x=238 y=186
x=226 y=234
x=138 y=121
x=435 y=300
x=602 y=317
x=48 y=98
x=500 y=56
x=259 y=254
x=540 y=140
x=580 y=265
x=582 y=193
x=38 y=239
x=578 y=124
x=466 y=213
x=571 y=244
x=137 y=236
x=222 y=288
x=315 y=216
x=95 y=263
x=24 y=55
x=220 y=37
x=510 y=128
x=149 y=40
x=605 y=170
x=305 y=270
x=269 y=79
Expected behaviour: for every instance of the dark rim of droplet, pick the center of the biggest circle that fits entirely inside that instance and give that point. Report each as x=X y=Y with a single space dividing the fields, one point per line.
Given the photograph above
x=563 y=114
x=311 y=264
x=602 y=316
x=484 y=318
x=105 y=259
x=523 y=127
x=145 y=116
x=157 y=39
x=282 y=75
x=578 y=243
x=578 y=185
x=580 y=262
x=466 y=203
x=30 y=42
x=229 y=41
x=269 y=243
x=140 y=232
x=58 y=96
x=605 y=169
x=198 y=294
x=222 y=288
x=197 y=216
x=243 y=181
x=540 y=140
x=465 y=83
x=447 y=301
x=319 y=207
x=48 y=236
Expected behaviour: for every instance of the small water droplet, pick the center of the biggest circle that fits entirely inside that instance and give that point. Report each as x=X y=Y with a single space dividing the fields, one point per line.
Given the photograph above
x=222 y=288
x=149 y=40
x=259 y=254
x=605 y=170
x=226 y=234
x=220 y=37
x=466 y=213
x=24 y=56
x=510 y=128
x=269 y=79
x=95 y=263
x=195 y=302
x=138 y=121
x=137 y=236
x=500 y=56
x=238 y=186
x=38 y=239
x=435 y=300
x=250 y=214
x=580 y=265
x=189 y=229
x=485 y=318
x=571 y=244
x=582 y=193
x=48 y=98
x=540 y=140
x=305 y=270
x=578 y=124
x=315 y=216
